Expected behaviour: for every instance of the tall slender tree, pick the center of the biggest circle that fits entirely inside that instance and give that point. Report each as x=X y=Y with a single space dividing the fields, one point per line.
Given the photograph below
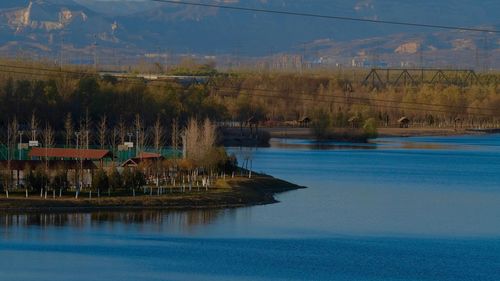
x=139 y=134
x=12 y=132
x=48 y=143
x=122 y=130
x=33 y=130
x=158 y=134
x=68 y=129
x=87 y=132
x=175 y=136
x=102 y=131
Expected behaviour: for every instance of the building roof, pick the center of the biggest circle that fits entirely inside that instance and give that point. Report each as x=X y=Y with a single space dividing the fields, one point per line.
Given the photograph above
x=403 y=119
x=148 y=155
x=251 y=120
x=130 y=163
x=20 y=165
x=93 y=154
x=142 y=157
x=353 y=119
x=305 y=119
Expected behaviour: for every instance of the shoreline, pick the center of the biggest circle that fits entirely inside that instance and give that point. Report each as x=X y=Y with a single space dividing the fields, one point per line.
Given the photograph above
x=234 y=193
x=234 y=138
x=305 y=133
x=428 y=132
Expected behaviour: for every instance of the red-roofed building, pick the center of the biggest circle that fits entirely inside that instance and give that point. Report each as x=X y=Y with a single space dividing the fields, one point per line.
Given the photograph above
x=145 y=157
x=149 y=155
x=70 y=153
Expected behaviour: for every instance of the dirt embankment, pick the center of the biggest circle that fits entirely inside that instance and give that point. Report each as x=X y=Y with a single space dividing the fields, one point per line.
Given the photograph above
x=231 y=193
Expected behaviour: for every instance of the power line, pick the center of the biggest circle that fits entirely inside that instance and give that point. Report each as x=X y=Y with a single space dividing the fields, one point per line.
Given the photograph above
x=326 y=98
x=359 y=103
x=54 y=73
x=367 y=99
x=330 y=17
x=232 y=88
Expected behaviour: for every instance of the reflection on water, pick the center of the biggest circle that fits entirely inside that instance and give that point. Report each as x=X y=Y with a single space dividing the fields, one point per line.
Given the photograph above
x=180 y=221
x=384 y=143
x=414 y=145
x=318 y=145
x=439 y=196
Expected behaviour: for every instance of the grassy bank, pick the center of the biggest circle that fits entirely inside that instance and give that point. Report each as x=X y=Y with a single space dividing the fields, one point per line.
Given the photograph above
x=229 y=193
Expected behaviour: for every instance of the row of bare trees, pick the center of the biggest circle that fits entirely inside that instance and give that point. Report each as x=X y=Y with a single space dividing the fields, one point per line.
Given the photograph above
x=199 y=138
x=87 y=134
x=201 y=159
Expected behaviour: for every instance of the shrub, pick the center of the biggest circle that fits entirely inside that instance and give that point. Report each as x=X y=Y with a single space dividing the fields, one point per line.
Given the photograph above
x=100 y=180
x=321 y=124
x=370 y=128
x=115 y=180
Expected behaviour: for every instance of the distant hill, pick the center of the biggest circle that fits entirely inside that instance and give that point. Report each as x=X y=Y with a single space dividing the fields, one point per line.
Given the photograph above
x=136 y=28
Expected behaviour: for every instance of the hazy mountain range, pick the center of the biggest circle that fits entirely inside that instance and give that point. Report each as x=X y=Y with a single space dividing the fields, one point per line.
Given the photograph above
x=136 y=28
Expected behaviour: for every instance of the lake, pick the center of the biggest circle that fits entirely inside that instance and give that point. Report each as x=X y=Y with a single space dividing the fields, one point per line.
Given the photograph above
x=421 y=208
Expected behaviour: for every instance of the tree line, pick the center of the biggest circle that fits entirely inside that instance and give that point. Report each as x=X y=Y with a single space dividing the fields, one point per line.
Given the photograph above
x=268 y=98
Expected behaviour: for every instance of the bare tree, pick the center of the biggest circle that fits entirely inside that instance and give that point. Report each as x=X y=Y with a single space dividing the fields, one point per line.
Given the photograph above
x=175 y=136
x=48 y=136
x=209 y=135
x=139 y=134
x=122 y=130
x=66 y=85
x=114 y=140
x=12 y=130
x=102 y=130
x=190 y=140
x=68 y=129
x=33 y=127
x=86 y=132
x=48 y=142
x=247 y=155
x=200 y=140
x=158 y=134
x=207 y=143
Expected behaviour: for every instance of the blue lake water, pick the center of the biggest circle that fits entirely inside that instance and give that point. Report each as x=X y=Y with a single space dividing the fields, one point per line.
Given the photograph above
x=424 y=208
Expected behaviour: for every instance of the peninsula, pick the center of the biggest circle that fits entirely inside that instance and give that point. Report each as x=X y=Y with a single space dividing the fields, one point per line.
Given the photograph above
x=227 y=193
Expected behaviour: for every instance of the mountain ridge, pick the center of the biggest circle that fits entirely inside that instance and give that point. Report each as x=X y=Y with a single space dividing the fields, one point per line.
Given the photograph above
x=138 y=28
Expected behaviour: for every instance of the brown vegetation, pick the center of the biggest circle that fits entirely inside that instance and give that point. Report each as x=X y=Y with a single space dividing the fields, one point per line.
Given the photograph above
x=61 y=98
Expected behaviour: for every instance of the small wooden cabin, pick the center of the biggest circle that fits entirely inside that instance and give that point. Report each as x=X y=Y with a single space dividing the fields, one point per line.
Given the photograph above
x=354 y=121
x=304 y=121
x=404 y=122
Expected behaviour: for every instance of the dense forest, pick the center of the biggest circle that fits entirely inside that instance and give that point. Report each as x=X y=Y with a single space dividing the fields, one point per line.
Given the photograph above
x=58 y=97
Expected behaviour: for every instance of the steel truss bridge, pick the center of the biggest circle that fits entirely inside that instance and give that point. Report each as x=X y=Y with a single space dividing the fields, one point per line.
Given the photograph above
x=396 y=77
